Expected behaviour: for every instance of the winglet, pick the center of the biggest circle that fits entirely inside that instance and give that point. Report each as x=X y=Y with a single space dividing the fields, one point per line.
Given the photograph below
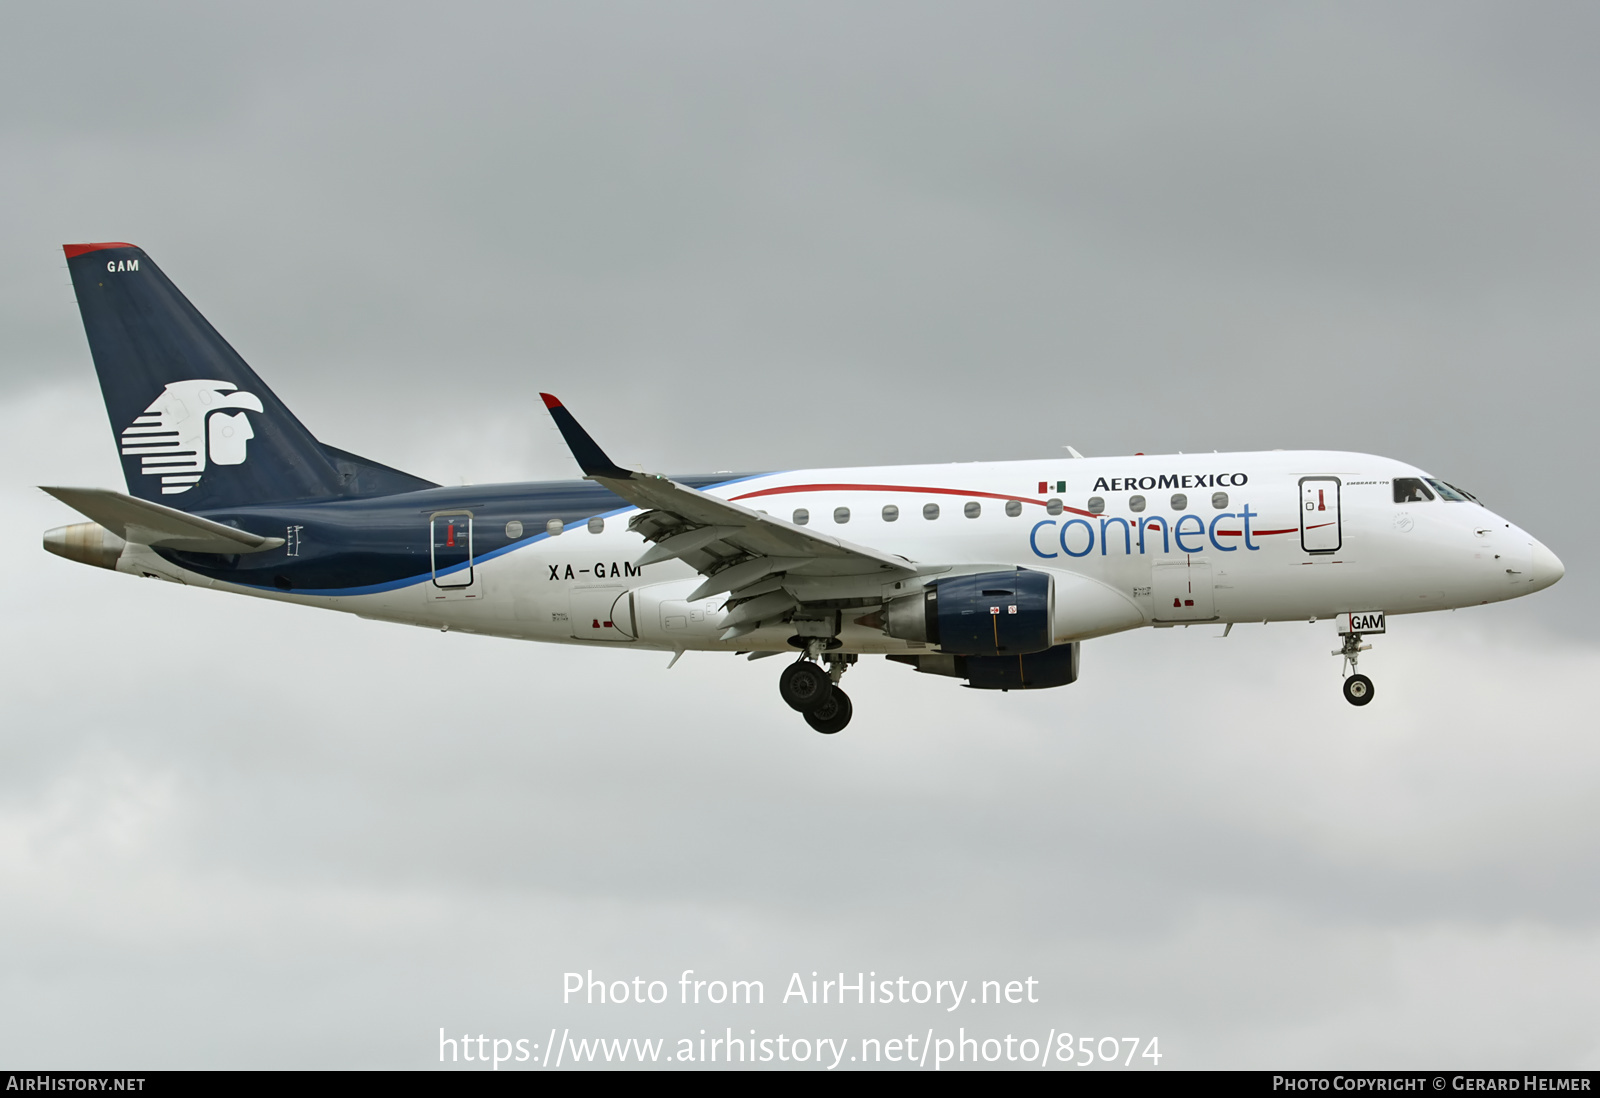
x=591 y=459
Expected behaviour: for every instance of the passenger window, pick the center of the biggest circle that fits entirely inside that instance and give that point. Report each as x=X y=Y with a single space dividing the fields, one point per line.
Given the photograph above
x=1053 y=507
x=1013 y=508
x=890 y=512
x=841 y=514
x=1219 y=500
x=1411 y=490
x=1097 y=505
x=973 y=509
x=930 y=511
x=801 y=516
x=1136 y=504
x=1179 y=501
x=597 y=525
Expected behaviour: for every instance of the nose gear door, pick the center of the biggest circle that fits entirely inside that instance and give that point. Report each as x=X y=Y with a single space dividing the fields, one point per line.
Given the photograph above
x=1320 y=530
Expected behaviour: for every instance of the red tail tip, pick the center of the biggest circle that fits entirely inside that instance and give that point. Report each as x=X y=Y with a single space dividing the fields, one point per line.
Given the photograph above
x=549 y=401
x=75 y=250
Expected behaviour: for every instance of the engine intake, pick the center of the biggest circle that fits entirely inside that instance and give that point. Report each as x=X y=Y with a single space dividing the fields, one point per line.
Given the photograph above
x=987 y=614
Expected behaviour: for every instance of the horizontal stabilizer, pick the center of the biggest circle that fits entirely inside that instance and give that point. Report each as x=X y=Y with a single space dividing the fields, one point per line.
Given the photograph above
x=146 y=523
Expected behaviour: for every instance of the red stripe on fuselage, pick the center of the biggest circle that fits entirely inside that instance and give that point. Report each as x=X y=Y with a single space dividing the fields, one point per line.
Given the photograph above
x=789 y=489
x=792 y=488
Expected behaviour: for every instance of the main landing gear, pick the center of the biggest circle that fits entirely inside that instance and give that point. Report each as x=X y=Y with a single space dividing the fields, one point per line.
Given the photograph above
x=814 y=691
x=1358 y=689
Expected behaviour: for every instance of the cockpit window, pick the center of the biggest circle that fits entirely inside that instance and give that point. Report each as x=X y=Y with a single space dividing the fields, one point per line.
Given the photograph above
x=1411 y=490
x=1449 y=492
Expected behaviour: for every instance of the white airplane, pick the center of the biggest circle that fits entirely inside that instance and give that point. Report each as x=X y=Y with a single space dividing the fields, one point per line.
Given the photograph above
x=989 y=572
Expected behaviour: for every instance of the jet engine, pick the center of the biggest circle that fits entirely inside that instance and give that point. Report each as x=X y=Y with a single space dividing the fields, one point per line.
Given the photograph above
x=986 y=614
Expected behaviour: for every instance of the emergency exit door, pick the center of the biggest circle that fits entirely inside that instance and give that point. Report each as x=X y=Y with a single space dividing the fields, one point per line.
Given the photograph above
x=1320 y=531
x=452 y=549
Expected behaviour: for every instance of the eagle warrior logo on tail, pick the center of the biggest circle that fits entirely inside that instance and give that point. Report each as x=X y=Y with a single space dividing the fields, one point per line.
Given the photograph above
x=189 y=422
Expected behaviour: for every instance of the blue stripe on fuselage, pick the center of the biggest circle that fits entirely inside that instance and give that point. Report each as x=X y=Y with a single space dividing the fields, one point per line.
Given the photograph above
x=384 y=541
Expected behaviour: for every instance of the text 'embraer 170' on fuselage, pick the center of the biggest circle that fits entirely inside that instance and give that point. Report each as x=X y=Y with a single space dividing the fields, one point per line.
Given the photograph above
x=992 y=573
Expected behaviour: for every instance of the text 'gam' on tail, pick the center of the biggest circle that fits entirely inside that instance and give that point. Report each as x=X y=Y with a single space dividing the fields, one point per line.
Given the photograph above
x=196 y=428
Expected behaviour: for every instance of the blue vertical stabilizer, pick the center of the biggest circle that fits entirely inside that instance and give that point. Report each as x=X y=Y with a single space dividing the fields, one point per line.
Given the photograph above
x=196 y=428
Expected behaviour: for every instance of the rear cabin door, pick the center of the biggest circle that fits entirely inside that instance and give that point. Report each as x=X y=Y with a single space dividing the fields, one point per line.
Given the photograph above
x=1320 y=530
x=1181 y=590
x=451 y=535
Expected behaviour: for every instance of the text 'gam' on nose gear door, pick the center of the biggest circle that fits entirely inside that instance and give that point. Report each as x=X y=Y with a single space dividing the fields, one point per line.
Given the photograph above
x=451 y=535
x=1320 y=531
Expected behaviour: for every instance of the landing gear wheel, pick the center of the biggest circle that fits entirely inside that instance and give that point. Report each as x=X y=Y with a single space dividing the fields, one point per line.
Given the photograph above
x=1358 y=690
x=833 y=714
x=804 y=686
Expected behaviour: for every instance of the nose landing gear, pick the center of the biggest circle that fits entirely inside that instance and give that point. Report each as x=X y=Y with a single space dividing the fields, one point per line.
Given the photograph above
x=1358 y=689
x=814 y=692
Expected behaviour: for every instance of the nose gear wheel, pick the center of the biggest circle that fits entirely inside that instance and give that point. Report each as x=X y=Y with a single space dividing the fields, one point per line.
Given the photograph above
x=1358 y=690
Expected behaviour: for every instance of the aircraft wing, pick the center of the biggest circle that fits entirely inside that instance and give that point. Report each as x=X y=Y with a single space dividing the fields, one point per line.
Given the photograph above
x=734 y=547
x=147 y=523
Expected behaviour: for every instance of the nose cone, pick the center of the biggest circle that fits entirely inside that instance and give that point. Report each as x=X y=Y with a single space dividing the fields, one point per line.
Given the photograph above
x=1546 y=567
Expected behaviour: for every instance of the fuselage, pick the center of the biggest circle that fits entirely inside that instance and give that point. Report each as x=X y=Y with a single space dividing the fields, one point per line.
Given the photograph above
x=987 y=572
x=1148 y=540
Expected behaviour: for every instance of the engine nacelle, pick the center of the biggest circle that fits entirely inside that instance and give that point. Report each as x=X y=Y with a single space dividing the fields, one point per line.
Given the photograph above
x=1056 y=666
x=987 y=614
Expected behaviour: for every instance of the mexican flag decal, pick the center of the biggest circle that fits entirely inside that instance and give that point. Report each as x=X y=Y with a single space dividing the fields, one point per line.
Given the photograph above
x=1044 y=487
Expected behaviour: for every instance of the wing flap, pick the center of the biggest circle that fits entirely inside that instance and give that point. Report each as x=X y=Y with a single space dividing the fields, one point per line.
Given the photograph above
x=744 y=574
x=681 y=545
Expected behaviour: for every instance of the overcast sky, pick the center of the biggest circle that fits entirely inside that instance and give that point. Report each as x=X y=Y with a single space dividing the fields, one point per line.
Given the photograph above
x=750 y=237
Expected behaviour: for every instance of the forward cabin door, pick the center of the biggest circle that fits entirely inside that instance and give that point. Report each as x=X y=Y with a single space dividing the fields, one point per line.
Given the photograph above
x=1181 y=590
x=1320 y=529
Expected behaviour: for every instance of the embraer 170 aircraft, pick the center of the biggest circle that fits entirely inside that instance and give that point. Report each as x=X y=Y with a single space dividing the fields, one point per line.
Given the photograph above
x=988 y=572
